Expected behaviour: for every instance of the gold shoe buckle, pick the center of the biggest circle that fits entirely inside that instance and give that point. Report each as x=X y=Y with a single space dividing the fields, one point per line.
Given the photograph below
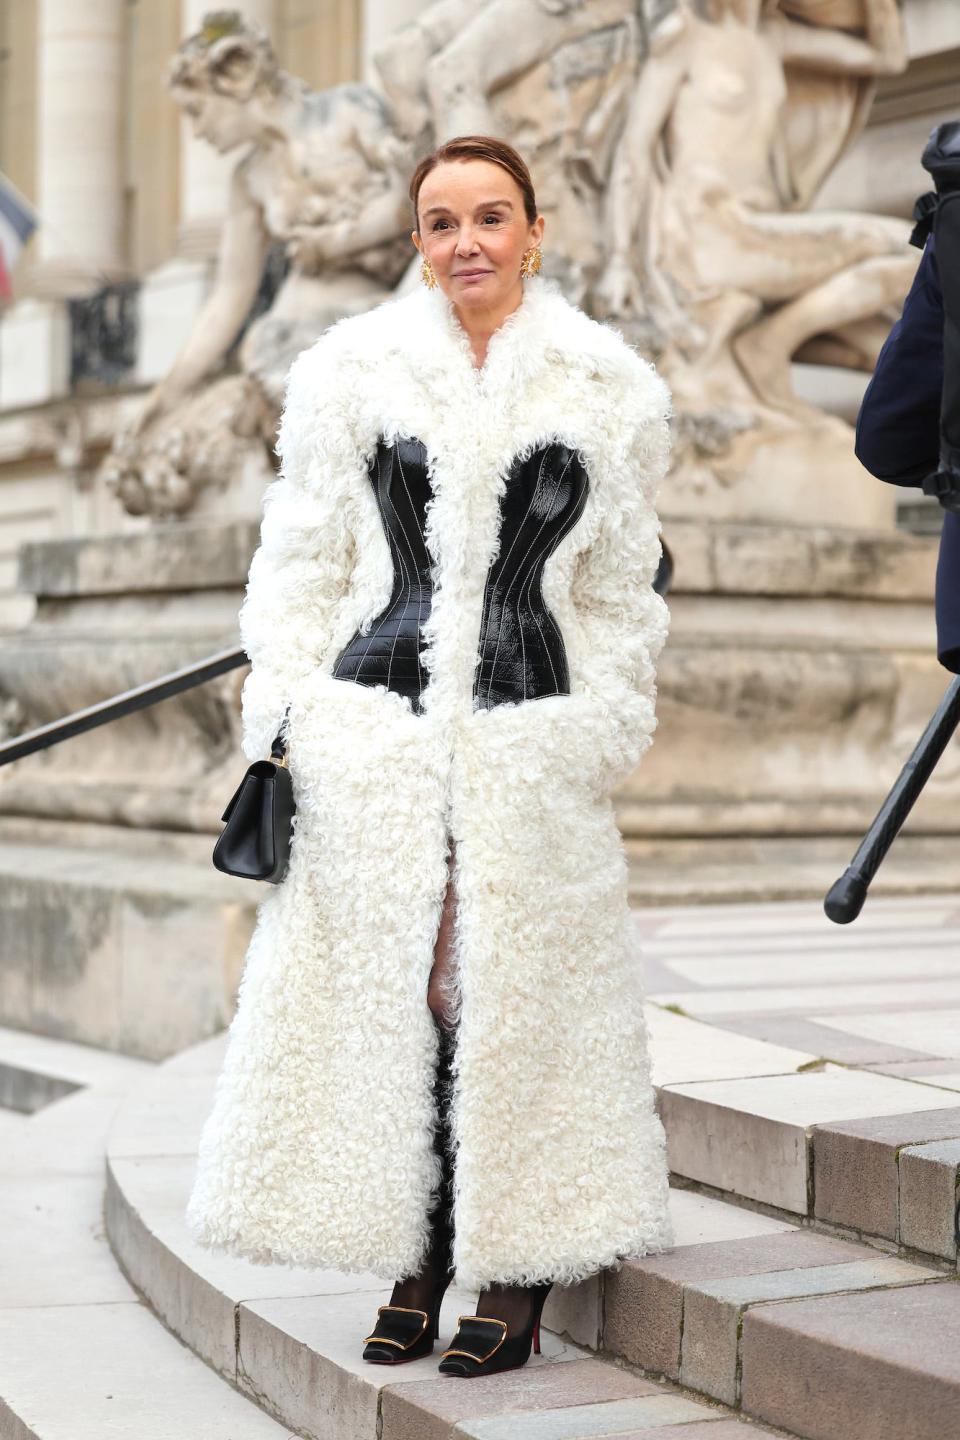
x=400 y=1344
x=486 y=1320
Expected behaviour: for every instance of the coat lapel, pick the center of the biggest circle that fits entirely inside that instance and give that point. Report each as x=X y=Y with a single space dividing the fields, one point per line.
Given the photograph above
x=545 y=332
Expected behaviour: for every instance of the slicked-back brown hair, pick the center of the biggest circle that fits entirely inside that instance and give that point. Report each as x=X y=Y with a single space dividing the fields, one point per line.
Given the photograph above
x=476 y=147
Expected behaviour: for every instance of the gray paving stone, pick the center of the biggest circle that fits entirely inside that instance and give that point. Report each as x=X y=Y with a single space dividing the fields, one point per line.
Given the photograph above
x=584 y=1422
x=713 y=1313
x=112 y=1372
x=687 y=1050
x=929 y=1177
x=204 y=1058
x=701 y=1220
x=821 y=1040
x=812 y=1000
x=429 y=1410
x=746 y=961
x=928 y=1031
x=644 y=1299
x=166 y=1118
x=883 y=1365
x=855 y=1166
x=74 y=1259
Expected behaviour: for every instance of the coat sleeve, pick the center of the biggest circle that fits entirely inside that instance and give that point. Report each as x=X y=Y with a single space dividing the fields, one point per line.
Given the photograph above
x=623 y=619
x=898 y=425
x=301 y=569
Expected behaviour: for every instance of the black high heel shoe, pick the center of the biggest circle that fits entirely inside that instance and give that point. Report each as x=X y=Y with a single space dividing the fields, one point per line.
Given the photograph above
x=483 y=1346
x=402 y=1332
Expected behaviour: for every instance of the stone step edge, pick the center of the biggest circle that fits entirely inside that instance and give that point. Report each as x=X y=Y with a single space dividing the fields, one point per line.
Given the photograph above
x=681 y=1315
x=757 y=867
x=814 y=1225
x=845 y=1218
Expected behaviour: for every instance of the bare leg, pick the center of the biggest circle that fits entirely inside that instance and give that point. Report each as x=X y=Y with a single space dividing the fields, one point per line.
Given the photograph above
x=442 y=984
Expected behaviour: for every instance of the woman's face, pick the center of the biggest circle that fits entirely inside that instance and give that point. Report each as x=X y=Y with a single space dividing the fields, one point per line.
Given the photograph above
x=471 y=218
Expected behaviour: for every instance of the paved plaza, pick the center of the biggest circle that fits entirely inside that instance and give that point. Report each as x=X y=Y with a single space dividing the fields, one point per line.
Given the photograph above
x=880 y=996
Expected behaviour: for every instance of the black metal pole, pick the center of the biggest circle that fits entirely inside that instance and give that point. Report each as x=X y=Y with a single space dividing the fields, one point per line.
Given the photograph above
x=845 y=898
x=138 y=698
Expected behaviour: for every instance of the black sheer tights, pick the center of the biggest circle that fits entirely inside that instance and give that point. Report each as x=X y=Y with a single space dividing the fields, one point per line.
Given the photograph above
x=507 y=1302
x=417 y=1292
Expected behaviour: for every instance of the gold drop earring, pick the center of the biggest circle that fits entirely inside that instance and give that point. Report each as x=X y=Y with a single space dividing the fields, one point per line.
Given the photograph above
x=531 y=262
x=427 y=275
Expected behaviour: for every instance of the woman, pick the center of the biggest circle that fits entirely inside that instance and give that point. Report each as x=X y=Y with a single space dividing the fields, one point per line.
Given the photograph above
x=439 y=1055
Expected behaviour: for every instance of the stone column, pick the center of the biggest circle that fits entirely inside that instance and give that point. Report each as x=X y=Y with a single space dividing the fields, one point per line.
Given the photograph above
x=79 y=182
x=204 y=174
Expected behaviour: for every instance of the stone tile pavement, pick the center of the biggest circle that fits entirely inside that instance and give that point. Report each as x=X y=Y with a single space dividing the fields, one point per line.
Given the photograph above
x=882 y=993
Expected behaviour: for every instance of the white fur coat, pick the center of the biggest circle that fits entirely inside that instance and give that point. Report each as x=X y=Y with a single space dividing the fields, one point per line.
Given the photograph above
x=318 y=1148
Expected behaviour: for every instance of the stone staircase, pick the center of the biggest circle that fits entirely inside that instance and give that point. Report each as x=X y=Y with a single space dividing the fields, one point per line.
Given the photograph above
x=812 y=1290
x=290 y=1338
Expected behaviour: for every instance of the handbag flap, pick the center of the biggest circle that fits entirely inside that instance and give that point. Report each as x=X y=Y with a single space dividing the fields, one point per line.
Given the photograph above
x=260 y=769
x=256 y=839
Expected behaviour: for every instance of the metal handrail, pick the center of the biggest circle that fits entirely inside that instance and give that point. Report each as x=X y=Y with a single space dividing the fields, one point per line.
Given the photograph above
x=141 y=696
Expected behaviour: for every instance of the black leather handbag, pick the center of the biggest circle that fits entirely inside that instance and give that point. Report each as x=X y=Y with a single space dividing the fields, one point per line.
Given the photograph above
x=255 y=842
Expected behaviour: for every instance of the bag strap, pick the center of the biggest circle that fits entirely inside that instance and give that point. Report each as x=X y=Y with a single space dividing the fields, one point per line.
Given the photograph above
x=278 y=749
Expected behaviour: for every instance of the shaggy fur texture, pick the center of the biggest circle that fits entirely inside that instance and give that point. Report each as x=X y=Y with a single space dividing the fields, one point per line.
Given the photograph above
x=318 y=1148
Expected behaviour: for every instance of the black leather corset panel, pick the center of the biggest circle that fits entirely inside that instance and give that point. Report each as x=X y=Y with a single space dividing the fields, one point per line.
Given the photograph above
x=390 y=653
x=522 y=655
